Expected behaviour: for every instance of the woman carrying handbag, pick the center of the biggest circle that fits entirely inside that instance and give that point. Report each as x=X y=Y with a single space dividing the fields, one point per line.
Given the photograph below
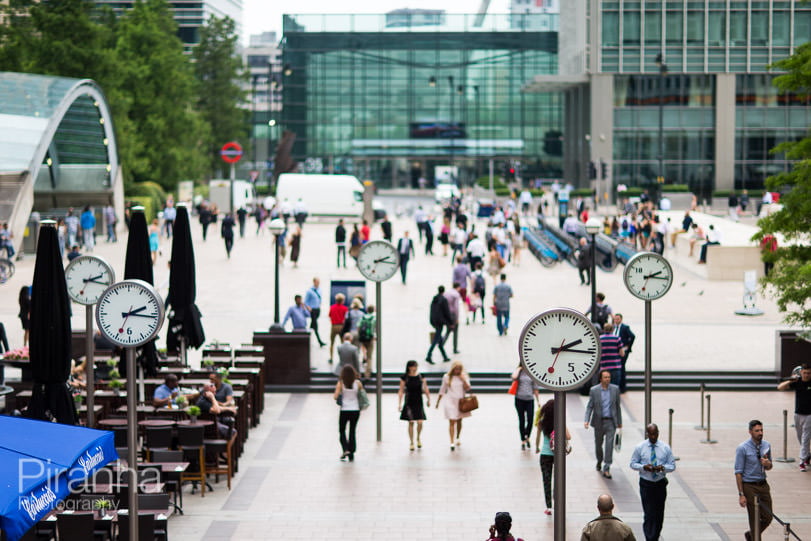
x=454 y=384
x=526 y=393
x=351 y=397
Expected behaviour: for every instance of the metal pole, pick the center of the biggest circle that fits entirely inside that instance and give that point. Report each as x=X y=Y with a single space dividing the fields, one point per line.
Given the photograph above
x=253 y=119
x=670 y=432
x=132 y=444
x=276 y=284
x=379 y=364
x=593 y=279
x=491 y=174
x=756 y=525
x=661 y=123
x=450 y=117
x=560 y=466
x=709 y=430
x=90 y=367
x=183 y=358
x=648 y=349
x=701 y=426
x=785 y=457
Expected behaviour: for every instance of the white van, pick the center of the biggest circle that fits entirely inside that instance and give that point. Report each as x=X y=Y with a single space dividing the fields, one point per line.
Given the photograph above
x=323 y=195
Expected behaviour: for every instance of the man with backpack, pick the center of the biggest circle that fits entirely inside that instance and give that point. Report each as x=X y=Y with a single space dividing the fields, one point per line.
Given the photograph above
x=366 y=337
x=602 y=311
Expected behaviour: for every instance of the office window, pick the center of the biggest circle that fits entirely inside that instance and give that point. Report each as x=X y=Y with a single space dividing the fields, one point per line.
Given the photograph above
x=760 y=27
x=674 y=26
x=695 y=27
x=653 y=27
x=716 y=31
x=611 y=29
x=737 y=28
x=802 y=27
x=631 y=22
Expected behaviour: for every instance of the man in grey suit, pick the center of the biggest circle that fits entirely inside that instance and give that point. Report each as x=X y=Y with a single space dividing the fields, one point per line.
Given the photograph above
x=603 y=412
x=348 y=354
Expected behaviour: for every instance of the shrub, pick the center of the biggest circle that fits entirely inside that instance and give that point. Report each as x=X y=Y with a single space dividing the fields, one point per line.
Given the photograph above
x=581 y=192
x=631 y=192
x=149 y=206
x=676 y=188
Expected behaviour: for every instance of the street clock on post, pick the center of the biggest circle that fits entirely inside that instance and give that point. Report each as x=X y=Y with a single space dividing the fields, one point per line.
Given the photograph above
x=130 y=313
x=648 y=276
x=560 y=349
x=87 y=277
x=378 y=260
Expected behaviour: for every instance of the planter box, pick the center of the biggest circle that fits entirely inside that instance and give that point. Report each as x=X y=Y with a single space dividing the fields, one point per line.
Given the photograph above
x=679 y=200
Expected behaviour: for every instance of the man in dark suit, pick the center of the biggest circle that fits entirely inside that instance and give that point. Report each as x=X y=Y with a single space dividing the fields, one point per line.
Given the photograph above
x=627 y=337
x=406 y=249
x=603 y=412
x=440 y=317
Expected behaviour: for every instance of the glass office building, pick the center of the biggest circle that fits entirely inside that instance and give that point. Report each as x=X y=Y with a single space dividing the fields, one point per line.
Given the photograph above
x=392 y=97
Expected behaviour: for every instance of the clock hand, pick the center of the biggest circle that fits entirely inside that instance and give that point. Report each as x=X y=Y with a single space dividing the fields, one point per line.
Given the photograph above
x=657 y=273
x=577 y=351
x=150 y=316
x=92 y=278
x=567 y=346
x=551 y=369
x=133 y=312
x=659 y=277
x=381 y=259
x=126 y=316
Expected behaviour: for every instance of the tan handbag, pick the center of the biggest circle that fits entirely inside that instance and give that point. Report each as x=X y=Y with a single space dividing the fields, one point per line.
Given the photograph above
x=468 y=403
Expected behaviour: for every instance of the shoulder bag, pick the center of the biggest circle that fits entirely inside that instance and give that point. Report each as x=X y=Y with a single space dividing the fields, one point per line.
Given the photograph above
x=468 y=403
x=363 y=399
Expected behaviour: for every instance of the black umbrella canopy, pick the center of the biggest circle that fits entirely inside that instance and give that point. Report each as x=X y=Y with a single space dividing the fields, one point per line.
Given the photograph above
x=50 y=340
x=184 y=318
x=138 y=266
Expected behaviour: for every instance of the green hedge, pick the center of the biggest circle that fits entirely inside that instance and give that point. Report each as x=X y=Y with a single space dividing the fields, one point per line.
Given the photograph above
x=262 y=190
x=581 y=192
x=727 y=193
x=631 y=192
x=484 y=182
x=536 y=192
x=151 y=191
x=503 y=192
x=675 y=188
x=149 y=207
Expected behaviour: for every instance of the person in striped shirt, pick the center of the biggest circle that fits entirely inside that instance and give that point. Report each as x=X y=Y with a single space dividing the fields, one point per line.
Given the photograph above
x=612 y=352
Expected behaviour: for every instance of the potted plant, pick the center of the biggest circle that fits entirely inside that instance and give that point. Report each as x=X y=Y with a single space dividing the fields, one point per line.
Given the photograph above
x=102 y=506
x=208 y=363
x=194 y=411
x=116 y=385
x=114 y=373
x=223 y=371
x=181 y=402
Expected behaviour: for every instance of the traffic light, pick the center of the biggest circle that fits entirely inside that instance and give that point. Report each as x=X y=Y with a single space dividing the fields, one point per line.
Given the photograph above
x=592 y=171
x=603 y=170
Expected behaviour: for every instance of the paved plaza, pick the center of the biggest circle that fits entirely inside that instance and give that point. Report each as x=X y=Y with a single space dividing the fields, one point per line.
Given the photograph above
x=292 y=485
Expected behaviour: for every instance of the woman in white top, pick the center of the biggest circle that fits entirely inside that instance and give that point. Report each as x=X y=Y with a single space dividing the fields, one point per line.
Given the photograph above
x=347 y=390
x=454 y=384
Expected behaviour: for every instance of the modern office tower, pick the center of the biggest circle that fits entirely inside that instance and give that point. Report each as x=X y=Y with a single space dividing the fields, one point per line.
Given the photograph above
x=263 y=59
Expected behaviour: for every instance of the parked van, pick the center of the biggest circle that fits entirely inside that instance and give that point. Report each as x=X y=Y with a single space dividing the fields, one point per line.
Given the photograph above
x=323 y=195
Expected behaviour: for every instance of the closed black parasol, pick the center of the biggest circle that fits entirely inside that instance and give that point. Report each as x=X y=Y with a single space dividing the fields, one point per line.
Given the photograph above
x=184 y=317
x=138 y=266
x=50 y=340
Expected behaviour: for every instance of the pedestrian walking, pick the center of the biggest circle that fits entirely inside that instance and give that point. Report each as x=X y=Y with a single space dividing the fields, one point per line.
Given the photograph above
x=227 y=233
x=111 y=220
x=478 y=287
x=312 y=298
x=453 y=296
x=340 y=243
x=602 y=312
x=300 y=212
x=439 y=317
x=169 y=215
x=428 y=229
x=5 y=240
x=154 y=239
x=801 y=385
x=603 y=412
x=24 y=300
x=584 y=262
x=501 y=527
x=606 y=527
x=348 y=354
x=298 y=314
x=337 y=316
x=653 y=459
x=526 y=394
x=385 y=225
x=405 y=247
x=547 y=459
x=353 y=319
x=242 y=215
x=753 y=458
x=72 y=225
x=502 y=294
x=206 y=218
x=88 y=222
x=627 y=337
x=412 y=387
x=347 y=389
x=612 y=351
x=366 y=336
x=295 y=244
x=455 y=383
x=355 y=243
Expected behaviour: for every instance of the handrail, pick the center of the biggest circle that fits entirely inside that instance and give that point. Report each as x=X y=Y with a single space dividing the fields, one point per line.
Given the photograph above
x=786 y=525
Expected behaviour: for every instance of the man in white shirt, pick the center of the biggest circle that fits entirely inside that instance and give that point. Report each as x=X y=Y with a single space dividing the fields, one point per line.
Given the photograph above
x=713 y=237
x=458 y=241
x=526 y=201
x=476 y=250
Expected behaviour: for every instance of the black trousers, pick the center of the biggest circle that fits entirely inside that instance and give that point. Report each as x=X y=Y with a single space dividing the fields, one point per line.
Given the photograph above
x=429 y=242
x=547 y=465
x=229 y=244
x=525 y=409
x=314 y=313
x=403 y=267
x=653 y=505
x=341 y=252
x=348 y=418
x=587 y=272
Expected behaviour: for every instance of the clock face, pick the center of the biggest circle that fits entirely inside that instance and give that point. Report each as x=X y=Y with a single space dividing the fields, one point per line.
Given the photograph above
x=130 y=313
x=560 y=349
x=648 y=276
x=378 y=260
x=87 y=277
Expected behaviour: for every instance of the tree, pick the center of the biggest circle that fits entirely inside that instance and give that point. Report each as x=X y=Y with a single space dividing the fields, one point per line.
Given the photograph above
x=791 y=276
x=155 y=89
x=219 y=71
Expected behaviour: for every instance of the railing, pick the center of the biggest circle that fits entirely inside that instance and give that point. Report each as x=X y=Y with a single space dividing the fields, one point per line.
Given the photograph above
x=786 y=525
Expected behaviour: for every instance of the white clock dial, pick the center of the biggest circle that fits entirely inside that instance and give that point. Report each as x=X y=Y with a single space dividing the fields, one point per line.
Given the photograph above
x=560 y=349
x=648 y=276
x=378 y=260
x=130 y=313
x=87 y=277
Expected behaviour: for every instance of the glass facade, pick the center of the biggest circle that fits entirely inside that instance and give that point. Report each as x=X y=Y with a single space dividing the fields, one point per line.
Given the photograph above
x=390 y=101
x=764 y=118
x=688 y=129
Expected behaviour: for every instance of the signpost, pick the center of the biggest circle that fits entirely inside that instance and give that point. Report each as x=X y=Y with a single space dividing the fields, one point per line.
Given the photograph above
x=231 y=153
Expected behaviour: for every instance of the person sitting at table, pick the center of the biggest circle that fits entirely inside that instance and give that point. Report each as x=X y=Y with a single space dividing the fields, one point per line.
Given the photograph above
x=224 y=392
x=166 y=394
x=77 y=380
x=224 y=411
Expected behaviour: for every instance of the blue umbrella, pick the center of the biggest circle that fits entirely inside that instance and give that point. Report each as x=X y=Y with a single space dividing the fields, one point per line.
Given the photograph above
x=39 y=464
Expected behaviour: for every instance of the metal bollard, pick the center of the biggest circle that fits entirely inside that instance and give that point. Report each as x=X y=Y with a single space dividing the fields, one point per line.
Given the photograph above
x=709 y=410
x=785 y=457
x=670 y=432
x=756 y=531
x=786 y=530
x=701 y=426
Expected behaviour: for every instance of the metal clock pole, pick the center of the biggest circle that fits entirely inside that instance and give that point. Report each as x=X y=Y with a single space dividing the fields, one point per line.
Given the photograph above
x=132 y=443
x=379 y=361
x=648 y=369
x=560 y=465
x=90 y=366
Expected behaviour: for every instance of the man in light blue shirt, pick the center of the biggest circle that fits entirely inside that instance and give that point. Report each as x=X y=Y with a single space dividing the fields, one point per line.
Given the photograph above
x=653 y=459
x=312 y=298
x=753 y=458
x=298 y=313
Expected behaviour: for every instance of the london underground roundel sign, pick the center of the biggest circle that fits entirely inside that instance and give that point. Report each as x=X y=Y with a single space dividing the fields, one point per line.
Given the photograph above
x=231 y=152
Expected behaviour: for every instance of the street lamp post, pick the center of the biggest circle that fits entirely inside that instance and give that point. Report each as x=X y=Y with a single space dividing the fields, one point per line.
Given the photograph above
x=253 y=118
x=660 y=62
x=276 y=228
x=476 y=138
x=450 y=118
x=592 y=228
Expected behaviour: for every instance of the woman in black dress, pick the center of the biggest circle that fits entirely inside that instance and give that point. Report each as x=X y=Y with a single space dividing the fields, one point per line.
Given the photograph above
x=25 y=311
x=295 y=245
x=413 y=386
